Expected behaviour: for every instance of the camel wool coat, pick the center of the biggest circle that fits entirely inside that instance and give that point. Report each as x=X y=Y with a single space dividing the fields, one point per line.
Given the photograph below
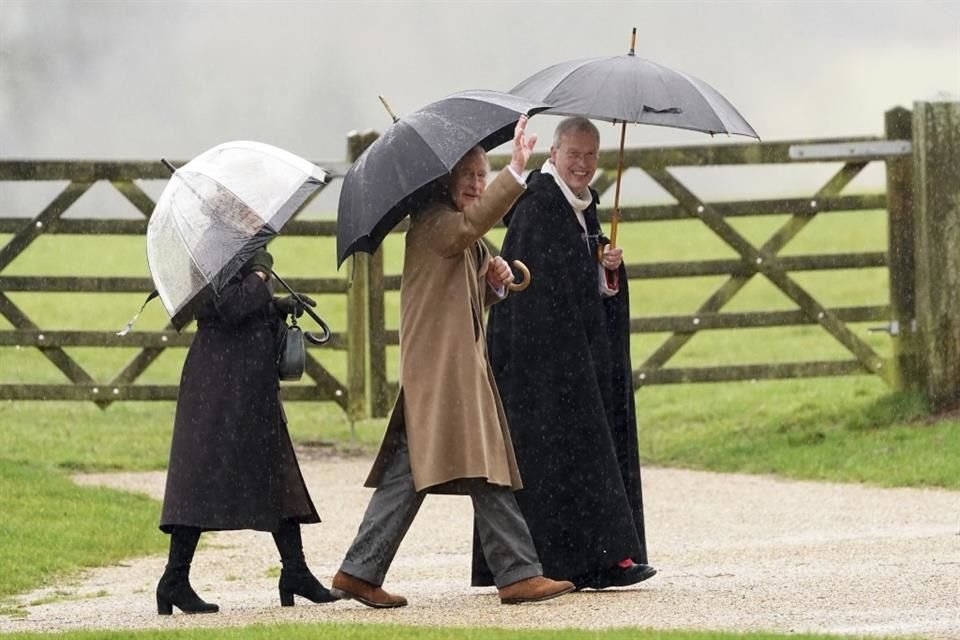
x=448 y=404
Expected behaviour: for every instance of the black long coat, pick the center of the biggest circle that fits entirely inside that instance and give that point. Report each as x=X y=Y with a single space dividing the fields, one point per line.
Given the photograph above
x=232 y=464
x=561 y=358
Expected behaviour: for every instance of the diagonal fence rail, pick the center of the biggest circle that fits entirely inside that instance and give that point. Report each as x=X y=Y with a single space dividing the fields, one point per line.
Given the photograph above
x=765 y=261
x=150 y=344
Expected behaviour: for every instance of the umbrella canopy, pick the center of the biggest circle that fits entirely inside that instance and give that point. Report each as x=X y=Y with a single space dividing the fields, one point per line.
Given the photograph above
x=215 y=212
x=626 y=89
x=417 y=149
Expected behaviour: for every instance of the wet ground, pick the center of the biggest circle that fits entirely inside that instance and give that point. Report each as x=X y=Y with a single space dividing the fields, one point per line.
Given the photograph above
x=734 y=552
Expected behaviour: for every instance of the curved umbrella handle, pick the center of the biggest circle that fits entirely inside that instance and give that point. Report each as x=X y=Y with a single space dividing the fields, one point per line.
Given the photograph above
x=323 y=325
x=309 y=311
x=523 y=284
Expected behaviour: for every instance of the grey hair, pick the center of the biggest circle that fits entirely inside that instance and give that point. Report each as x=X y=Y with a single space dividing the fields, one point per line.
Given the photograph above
x=477 y=150
x=473 y=150
x=575 y=124
x=439 y=189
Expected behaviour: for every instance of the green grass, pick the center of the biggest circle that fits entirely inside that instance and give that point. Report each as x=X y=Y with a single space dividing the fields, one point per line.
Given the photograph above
x=77 y=436
x=396 y=632
x=850 y=430
x=50 y=526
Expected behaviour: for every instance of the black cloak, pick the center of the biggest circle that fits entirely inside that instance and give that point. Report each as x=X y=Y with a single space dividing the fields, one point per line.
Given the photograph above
x=232 y=464
x=561 y=358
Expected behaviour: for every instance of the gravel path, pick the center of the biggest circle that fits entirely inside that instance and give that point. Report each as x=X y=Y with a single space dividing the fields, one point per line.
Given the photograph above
x=735 y=552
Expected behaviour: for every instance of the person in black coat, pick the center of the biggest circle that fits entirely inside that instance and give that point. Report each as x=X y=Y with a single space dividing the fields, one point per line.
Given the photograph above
x=232 y=463
x=561 y=359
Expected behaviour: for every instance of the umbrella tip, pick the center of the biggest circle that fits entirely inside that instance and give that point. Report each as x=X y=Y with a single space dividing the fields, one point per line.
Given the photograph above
x=387 y=107
x=168 y=165
x=633 y=42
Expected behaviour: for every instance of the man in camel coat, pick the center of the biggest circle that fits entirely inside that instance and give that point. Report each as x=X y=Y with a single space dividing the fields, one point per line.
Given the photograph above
x=448 y=432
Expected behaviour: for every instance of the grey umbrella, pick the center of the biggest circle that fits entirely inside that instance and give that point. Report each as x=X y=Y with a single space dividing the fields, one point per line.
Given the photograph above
x=382 y=185
x=626 y=89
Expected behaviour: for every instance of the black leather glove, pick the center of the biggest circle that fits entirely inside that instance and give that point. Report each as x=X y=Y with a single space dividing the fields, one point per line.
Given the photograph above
x=288 y=305
x=261 y=260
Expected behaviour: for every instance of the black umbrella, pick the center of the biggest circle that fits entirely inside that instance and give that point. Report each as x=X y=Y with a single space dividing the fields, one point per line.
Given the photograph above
x=626 y=88
x=418 y=148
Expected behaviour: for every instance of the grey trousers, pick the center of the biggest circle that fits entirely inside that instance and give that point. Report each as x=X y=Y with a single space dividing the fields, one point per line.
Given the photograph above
x=504 y=536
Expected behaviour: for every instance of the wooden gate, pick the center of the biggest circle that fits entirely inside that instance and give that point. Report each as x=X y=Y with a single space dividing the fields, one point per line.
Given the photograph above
x=81 y=385
x=915 y=322
x=855 y=154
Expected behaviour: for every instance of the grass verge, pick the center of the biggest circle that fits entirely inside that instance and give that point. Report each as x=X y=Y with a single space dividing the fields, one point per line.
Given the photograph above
x=847 y=430
x=51 y=526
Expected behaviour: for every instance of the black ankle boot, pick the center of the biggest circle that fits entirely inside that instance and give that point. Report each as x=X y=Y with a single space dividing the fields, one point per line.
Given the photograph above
x=302 y=583
x=174 y=586
x=174 y=590
x=295 y=577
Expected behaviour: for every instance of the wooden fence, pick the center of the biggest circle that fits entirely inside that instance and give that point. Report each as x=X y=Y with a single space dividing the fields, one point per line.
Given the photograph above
x=922 y=313
x=81 y=176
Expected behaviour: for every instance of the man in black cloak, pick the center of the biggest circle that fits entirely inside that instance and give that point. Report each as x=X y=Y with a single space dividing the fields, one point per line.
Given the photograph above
x=561 y=357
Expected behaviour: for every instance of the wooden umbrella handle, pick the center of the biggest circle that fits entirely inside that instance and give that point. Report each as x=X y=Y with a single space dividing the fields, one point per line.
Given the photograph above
x=523 y=284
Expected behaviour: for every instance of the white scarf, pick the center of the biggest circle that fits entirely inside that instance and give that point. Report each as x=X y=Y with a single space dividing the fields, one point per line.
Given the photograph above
x=578 y=204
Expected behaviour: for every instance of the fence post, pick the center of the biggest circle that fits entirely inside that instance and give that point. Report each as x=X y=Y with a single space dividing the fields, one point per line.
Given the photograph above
x=358 y=306
x=936 y=178
x=379 y=398
x=900 y=251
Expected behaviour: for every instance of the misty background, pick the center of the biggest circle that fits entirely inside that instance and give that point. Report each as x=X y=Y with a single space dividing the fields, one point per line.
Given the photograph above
x=141 y=80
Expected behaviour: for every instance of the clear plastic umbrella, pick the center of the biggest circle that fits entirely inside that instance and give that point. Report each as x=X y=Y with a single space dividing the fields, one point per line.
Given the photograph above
x=215 y=212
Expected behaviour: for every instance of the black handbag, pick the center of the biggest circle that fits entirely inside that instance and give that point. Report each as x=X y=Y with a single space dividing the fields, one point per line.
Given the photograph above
x=292 y=357
x=293 y=354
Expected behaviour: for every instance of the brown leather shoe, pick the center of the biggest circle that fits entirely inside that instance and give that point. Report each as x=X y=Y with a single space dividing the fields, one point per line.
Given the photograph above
x=535 y=589
x=349 y=588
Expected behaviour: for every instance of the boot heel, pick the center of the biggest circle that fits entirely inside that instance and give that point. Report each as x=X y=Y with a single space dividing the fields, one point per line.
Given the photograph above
x=164 y=607
x=286 y=598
